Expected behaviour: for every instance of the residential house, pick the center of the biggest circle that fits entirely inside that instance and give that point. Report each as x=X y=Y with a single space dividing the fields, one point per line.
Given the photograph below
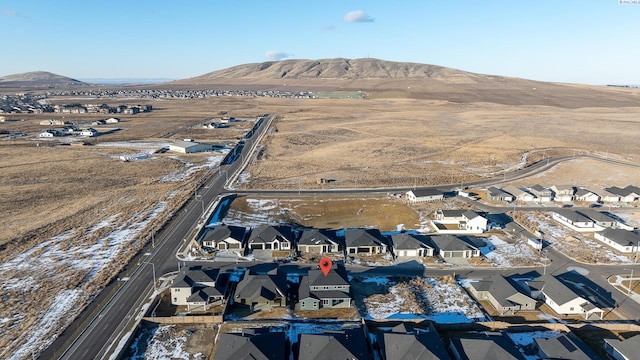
x=268 y=237
x=318 y=242
x=599 y=218
x=502 y=295
x=491 y=346
x=586 y=195
x=496 y=194
x=519 y=194
x=606 y=196
x=621 y=240
x=225 y=237
x=635 y=190
x=261 y=291
x=50 y=133
x=98 y=122
x=448 y=246
x=563 y=193
x=52 y=122
x=112 y=120
x=406 y=342
x=574 y=220
x=564 y=346
x=349 y=343
x=423 y=195
x=405 y=245
x=623 y=349
x=465 y=221
x=364 y=241
x=258 y=344
x=319 y=291
x=198 y=288
x=624 y=195
x=189 y=147
x=90 y=132
x=541 y=193
x=562 y=299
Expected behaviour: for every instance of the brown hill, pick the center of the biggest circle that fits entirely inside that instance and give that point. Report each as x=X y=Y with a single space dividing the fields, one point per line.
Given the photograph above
x=39 y=79
x=380 y=78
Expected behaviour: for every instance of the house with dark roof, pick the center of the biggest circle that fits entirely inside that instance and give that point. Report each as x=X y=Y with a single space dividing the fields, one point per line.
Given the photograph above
x=502 y=295
x=519 y=194
x=413 y=246
x=496 y=194
x=364 y=241
x=261 y=291
x=343 y=344
x=319 y=291
x=318 y=242
x=632 y=189
x=586 y=195
x=251 y=344
x=599 y=218
x=268 y=237
x=423 y=195
x=225 y=237
x=624 y=195
x=448 y=246
x=621 y=240
x=406 y=342
x=562 y=299
x=493 y=346
x=608 y=197
x=623 y=349
x=198 y=288
x=564 y=346
x=574 y=220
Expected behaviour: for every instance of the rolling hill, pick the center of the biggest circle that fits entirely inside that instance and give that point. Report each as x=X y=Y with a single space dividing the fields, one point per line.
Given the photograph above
x=39 y=79
x=388 y=79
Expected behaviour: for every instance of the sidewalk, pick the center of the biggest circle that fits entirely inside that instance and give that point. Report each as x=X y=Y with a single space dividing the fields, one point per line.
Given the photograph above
x=622 y=288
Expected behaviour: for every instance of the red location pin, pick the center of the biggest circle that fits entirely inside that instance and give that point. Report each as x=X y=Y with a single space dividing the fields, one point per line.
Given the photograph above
x=325 y=265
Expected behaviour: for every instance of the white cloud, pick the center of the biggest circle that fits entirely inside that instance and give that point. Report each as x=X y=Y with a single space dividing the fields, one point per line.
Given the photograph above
x=9 y=12
x=276 y=55
x=358 y=16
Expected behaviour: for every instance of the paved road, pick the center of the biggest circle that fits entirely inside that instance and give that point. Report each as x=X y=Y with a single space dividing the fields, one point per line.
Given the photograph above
x=119 y=309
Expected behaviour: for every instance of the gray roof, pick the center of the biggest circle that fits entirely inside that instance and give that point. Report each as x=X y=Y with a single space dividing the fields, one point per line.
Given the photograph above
x=618 y=191
x=261 y=346
x=564 y=346
x=501 y=289
x=471 y=214
x=346 y=344
x=451 y=243
x=596 y=216
x=206 y=293
x=515 y=191
x=336 y=276
x=188 y=277
x=540 y=189
x=554 y=289
x=421 y=346
x=317 y=237
x=572 y=215
x=452 y=213
x=622 y=237
x=267 y=286
x=583 y=192
x=362 y=237
x=489 y=347
x=628 y=347
x=223 y=232
x=426 y=192
x=409 y=242
x=494 y=191
x=633 y=189
x=268 y=233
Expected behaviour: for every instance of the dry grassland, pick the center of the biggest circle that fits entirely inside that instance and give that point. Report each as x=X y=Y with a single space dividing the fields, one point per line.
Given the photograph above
x=402 y=142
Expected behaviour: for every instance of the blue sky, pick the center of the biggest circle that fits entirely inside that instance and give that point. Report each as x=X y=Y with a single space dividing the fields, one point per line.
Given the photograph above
x=585 y=41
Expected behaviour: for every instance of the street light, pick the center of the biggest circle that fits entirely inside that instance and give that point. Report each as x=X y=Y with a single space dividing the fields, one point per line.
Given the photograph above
x=153 y=269
x=630 y=281
x=544 y=266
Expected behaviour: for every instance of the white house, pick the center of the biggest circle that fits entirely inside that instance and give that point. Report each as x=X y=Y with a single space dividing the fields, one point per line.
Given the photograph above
x=422 y=195
x=563 y=193
x=112 y=120
x=405 y=245
x=608 y=197
x=541 y=193
x=197 y=288
x=562 y=299
x=465 y=221
x=574 y=220
x=91 y=132
x=225 y=237
x=519 y=194
x=267 y=237
x=189 y=147
x=624 y=195
x=623 y=349
x=621 y=240
x=49 y=133
x=586 y=195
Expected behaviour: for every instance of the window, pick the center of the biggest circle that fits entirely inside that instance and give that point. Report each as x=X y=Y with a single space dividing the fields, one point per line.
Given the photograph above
x=325 y=302
x=175 y=299
x=571 y=309
x=177 y=290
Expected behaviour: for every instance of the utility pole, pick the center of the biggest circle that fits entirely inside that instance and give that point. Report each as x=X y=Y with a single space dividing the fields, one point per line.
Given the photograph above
x=153 y=269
